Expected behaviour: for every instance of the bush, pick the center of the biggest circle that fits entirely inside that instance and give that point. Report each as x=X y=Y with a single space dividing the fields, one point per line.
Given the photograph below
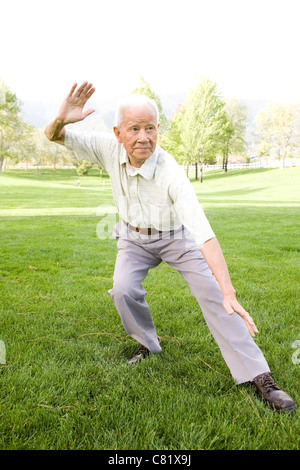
x=83 y=167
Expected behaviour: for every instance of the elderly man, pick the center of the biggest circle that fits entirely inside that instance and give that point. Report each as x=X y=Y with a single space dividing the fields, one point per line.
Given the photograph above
x=161 y=220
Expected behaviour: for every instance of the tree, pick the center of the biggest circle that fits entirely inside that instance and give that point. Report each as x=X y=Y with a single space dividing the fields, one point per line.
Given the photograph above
x=10 y=123
x=144 y=89
x=42 y=149
x=279 y=129
x=172 y=139
x=204 y=124
x=83 y=167
x=29 y=144
x=56 y=154
x=234 y=132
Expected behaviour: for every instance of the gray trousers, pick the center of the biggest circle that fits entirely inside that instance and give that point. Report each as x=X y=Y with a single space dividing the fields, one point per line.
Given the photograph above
x=137 y=254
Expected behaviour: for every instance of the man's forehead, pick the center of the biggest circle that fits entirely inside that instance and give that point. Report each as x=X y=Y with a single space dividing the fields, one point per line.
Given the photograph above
x=140 y=113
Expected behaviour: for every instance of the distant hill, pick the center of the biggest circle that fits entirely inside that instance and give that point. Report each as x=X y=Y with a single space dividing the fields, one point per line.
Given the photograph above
x=254 y=107
x=36 y=113
x=40 y=113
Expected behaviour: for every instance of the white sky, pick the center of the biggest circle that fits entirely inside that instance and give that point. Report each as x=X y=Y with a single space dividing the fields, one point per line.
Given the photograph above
x=249 y=47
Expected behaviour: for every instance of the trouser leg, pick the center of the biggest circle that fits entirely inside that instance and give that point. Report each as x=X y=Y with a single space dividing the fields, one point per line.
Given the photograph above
x=241 y=354
x=132 y=266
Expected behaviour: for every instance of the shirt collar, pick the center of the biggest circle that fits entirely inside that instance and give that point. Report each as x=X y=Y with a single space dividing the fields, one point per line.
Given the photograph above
x=148 y=167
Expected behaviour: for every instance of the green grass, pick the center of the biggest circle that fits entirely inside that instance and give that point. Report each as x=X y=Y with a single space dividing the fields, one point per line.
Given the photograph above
x=66 y=385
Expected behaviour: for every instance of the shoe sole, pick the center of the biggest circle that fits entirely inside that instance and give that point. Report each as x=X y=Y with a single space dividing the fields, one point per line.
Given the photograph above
x=286 y=410
x=135 y=360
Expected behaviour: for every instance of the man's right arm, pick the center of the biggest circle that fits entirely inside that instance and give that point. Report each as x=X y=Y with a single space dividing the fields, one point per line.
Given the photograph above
x=71 y=111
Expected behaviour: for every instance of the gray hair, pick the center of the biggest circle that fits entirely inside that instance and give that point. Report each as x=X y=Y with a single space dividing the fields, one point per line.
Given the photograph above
x=134 y=101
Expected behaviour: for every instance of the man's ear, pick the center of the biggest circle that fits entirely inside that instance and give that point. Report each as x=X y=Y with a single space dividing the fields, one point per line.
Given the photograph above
x=118 y=134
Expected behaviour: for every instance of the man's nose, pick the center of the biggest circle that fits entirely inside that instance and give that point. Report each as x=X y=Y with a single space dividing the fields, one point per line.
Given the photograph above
x=142 y=135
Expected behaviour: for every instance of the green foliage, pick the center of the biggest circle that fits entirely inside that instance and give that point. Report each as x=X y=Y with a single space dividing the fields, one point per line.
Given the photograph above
x=10 y=123
x=19 y=140
x=144 y=89
x=206 y=126
x=9 y=106
x=279 y=129
x=233 y=138
x=172 y=140
x=83 y=167
x=205 y=122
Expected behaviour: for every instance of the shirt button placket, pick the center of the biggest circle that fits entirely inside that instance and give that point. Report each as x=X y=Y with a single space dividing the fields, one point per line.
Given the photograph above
x=133 y=195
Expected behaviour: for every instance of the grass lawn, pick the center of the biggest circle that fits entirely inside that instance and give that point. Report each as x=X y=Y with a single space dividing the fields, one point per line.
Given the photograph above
x=65 y=383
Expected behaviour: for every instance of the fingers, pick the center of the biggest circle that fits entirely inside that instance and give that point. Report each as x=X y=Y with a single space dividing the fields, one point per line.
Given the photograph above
x=90 y=91
x=72 y=89
x=250 y=324
x=85 y=90
x=234 y=307
x=80 y=89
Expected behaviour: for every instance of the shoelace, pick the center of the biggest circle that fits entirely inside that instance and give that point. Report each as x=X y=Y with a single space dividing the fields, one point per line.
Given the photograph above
x=143 y=350
x=267 y=382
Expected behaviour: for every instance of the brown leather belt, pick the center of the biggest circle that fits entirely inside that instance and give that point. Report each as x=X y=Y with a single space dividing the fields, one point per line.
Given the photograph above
x=143 y=231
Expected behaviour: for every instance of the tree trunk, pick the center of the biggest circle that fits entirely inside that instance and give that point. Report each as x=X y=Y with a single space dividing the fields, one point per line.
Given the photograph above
x=283 y=159
x=226 y=159
x=201 y=173
x=1 y=163
x=196 y=171
x=225 y=163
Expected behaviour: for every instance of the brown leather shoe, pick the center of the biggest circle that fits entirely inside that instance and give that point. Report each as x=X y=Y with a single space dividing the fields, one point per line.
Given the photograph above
x=141 y=354
x=269 y=391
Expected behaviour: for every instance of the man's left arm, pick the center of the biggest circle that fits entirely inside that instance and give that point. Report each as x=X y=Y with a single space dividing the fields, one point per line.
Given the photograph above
x=214 y=257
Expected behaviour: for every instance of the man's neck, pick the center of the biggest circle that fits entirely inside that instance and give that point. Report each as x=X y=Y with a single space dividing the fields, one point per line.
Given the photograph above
x=134 y=163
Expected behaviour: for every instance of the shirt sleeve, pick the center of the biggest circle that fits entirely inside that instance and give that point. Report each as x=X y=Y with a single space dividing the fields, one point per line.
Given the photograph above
x=190 y=212
x=95 y=147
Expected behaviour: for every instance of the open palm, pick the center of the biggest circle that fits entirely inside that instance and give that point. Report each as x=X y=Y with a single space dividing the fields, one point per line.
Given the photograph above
x=71 y=109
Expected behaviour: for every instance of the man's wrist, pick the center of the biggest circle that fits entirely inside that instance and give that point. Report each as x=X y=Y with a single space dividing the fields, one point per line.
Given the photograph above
x=55 y=130
x=228 y=290
x=59 y=122
x=229 y=293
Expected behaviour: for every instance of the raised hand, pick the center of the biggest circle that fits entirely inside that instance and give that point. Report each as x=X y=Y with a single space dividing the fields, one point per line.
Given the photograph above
x=71 y=109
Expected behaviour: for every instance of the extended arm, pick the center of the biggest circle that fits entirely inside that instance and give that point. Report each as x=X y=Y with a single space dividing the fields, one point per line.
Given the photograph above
x=71 y=111
x=214 y=257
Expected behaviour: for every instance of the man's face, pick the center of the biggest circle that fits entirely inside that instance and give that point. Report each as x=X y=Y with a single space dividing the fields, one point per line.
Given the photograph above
x=138 y=133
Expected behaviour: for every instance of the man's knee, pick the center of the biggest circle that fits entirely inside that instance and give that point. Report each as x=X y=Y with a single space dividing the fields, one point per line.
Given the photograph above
x=125 y=288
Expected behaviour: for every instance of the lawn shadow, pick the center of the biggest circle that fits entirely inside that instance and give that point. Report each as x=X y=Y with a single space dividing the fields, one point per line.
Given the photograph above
x=48 y=174
x=217 y=174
